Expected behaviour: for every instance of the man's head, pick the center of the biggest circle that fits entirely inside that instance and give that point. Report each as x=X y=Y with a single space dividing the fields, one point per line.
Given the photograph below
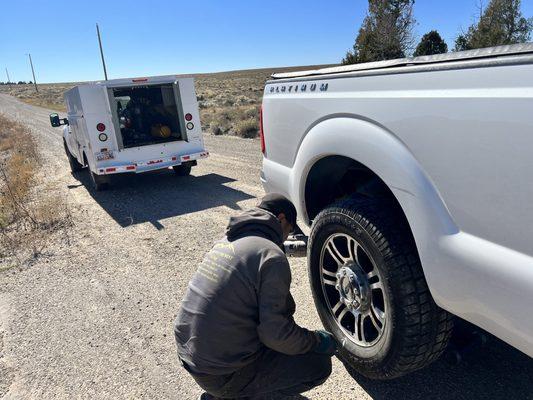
x=283 y=209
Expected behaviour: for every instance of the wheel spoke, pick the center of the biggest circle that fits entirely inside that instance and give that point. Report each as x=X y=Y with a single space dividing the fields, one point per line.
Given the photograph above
x=374 y=321
x=329 y=273
x=342 y=314
x=337 y=306
x=329 y=282
x=376 y=285
x=371 y=274
x=352 y=249
x=334 y=252
x=380 y=315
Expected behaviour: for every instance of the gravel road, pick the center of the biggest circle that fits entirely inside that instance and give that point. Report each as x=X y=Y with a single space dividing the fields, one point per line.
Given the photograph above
x=92 y=318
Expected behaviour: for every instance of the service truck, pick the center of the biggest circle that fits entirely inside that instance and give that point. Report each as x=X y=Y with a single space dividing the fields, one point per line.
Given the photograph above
x=415 y=176
x=132 y=126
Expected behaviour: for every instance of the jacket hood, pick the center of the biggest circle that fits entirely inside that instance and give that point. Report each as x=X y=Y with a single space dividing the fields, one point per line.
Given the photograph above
x=255 y=221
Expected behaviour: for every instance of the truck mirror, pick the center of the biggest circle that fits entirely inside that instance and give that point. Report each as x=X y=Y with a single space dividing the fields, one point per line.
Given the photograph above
x=54 y=120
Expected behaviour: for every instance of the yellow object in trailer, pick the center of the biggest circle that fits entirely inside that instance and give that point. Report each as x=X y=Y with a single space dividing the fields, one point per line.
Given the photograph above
x=161 y=131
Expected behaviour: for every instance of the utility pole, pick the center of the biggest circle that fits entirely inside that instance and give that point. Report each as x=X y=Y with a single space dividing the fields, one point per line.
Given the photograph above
x=101 y=50
x=8 y=79
x=33 y=73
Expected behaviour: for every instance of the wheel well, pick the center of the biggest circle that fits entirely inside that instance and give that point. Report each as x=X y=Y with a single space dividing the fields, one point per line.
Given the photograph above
x=334 y=177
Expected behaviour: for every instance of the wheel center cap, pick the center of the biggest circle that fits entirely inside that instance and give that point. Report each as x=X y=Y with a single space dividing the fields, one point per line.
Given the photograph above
x=353 y=287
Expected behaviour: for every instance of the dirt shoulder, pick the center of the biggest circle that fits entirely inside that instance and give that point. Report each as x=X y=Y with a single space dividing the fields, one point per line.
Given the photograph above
x=92 y=318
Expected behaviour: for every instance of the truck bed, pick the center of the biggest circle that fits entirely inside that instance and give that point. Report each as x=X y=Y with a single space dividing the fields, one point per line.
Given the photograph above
x=491 y=56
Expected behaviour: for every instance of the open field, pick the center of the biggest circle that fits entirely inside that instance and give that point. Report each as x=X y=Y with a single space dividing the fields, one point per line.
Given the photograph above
x=229 y=101
x=92 y=316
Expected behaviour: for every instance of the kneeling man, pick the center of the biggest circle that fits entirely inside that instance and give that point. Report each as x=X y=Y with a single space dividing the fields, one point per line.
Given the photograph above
x=235 y=330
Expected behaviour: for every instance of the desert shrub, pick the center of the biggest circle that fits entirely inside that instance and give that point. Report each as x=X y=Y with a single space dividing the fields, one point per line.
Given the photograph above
x=251 y=113
x=27 y=217
x=216 y=130
x=247 y=128
x=243 y=100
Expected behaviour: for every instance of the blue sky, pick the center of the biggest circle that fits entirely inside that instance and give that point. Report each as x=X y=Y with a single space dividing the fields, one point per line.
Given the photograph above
x=165 y=37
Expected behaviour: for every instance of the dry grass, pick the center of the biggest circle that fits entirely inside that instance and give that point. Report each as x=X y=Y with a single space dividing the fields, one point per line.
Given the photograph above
x=49 y=95
x=27 y=217
x=227 y=100
x=247 y=128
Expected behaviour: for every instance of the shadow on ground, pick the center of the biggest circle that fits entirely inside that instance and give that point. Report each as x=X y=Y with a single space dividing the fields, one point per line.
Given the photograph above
x=495 y=371
x=155 y=196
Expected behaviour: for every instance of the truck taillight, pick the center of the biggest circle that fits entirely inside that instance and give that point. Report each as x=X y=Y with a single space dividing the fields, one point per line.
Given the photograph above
x=100 y=127
x=261 y=132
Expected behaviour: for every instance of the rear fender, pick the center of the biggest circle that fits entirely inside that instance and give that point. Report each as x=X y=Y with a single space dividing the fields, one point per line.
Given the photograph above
x=389 y=158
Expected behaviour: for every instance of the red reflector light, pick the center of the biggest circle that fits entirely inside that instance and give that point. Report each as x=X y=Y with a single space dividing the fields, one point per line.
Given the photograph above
x=140 y=80
x=185 y=157
x=174 y=158
x=100 y=127
x=130 y=167
x=188 y=117
x=110 y=169
x=261 y=132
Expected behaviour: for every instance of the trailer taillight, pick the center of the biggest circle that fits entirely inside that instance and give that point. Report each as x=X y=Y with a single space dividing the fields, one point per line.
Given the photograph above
x=188 y=117
x=261 y=132
x=100 y=127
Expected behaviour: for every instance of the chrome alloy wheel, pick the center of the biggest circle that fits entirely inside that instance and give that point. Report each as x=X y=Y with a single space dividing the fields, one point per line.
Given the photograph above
x=353 y=289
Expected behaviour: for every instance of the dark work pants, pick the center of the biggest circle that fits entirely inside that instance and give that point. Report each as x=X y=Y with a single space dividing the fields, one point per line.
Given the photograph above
x=271 y=373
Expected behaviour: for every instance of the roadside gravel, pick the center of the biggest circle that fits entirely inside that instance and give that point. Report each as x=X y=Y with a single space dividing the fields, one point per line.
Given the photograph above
x=92 y=318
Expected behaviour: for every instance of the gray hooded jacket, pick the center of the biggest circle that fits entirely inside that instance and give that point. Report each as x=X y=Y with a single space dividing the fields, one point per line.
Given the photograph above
x=238 y=301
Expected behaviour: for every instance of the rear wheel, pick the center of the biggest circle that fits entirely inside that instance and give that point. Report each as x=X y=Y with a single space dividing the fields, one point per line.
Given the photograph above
x=75 y=166
x=182 y=170
x=370 y=290
x=99 y=182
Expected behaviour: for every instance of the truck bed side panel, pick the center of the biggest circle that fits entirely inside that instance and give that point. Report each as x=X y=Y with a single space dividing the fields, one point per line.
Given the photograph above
x=471 y=131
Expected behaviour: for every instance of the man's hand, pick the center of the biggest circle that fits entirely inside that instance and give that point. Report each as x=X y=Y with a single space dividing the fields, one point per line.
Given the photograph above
x=326 y=343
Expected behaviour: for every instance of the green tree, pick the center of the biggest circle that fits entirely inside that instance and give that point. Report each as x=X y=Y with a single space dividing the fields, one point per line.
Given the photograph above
x=500 y=23
x=431 y=43
x=385 y=33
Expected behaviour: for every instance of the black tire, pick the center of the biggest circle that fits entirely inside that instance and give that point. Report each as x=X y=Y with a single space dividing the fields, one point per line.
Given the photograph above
x=75 y=166
x=99 y=182
x=415 y=330
x=182 y=170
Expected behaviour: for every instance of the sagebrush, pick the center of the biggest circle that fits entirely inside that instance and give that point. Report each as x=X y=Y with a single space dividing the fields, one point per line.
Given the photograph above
x=27 y=216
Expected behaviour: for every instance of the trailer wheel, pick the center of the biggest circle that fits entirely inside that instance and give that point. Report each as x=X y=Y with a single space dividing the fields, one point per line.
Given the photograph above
x=75 y=166
x=370 y=291
x=182 y=170
x=99 y=182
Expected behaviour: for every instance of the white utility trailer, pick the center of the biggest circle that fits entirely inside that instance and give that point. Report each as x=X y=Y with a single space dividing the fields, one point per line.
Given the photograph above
x=132 y=126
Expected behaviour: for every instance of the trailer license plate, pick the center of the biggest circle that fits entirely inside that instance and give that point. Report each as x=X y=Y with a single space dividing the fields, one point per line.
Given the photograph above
x=104 y=155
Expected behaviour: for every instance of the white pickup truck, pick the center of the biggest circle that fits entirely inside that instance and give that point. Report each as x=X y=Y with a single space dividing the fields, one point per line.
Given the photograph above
x=416 y=176
x=132 y=126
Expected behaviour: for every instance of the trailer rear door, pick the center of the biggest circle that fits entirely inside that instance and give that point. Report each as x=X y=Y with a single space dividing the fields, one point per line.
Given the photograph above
x=147 y=114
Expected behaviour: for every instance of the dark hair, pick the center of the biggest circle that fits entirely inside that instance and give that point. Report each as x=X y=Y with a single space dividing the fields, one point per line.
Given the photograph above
x=277 y=204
